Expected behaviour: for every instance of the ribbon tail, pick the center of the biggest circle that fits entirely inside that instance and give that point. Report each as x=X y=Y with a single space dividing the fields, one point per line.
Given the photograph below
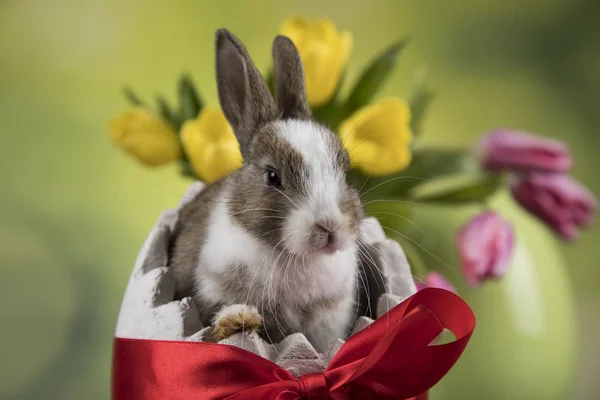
x=176 y=370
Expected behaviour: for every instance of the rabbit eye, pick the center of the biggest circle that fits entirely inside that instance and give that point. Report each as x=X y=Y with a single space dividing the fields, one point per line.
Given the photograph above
x=273 y=178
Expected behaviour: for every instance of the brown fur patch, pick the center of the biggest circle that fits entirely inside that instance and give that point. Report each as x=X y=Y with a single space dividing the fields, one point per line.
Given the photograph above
x=234 y=280
x=351 y=206
x=289 y=80
x=243 y=93
x=189 y=235
x=257 y=207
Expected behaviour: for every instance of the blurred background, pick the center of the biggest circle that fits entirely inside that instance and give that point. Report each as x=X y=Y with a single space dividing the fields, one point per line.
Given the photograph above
x=74 y=210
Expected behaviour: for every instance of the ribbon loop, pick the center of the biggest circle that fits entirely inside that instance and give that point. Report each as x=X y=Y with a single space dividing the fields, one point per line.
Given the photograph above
x=314 y=386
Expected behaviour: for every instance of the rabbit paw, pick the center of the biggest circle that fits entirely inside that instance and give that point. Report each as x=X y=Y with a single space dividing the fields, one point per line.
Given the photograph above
x=233 y=319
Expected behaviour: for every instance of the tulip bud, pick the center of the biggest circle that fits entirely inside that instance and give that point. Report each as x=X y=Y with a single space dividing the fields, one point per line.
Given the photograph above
x=435 y=280
x=210 y=145
x=485 y=245
x=145 y=137
x=378 y=137
x=523 y=152
x=558 y=200
x=324 y=52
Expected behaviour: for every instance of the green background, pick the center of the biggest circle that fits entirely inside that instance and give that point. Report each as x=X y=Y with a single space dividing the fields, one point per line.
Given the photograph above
x=74 y=210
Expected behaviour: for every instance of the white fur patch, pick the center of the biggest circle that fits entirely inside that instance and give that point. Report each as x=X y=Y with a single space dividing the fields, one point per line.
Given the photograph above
x=325 y=179
x=323 y=184
x=226 y=244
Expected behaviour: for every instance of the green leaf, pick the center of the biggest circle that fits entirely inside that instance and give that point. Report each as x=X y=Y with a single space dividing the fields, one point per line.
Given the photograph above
x=427 y=164
x=420 y=99
x=357 y=179
x=458 y=188
x=185 y=168
x=331 y=113
x=430 y=162
x=190 y=102
x=167 y=113
x=373 y=77
x=132 y=97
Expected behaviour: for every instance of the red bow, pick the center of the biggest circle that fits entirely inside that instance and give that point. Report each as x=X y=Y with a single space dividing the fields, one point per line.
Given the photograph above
x=390 y=359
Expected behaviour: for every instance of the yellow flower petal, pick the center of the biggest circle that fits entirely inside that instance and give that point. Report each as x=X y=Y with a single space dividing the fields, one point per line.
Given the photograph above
x=294 y=28
x=324 y=52
x=378 y=137
x=210 y=145
x=145 y=137
x=323 y=29
x=346 y=43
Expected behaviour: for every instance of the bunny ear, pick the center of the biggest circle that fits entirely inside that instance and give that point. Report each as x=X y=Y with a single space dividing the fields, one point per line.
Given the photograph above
x=289 y=80
x=243 y=93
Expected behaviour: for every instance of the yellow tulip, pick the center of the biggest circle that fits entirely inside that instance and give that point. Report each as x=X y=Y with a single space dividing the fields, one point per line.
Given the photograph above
x=378 y=137
x=324 y=52
x=145 y=137
x=210 y=145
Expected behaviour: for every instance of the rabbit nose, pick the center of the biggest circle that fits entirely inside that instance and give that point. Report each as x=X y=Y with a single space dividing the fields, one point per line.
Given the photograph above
x=328 y=225
x=324 y=237
x=327 y=234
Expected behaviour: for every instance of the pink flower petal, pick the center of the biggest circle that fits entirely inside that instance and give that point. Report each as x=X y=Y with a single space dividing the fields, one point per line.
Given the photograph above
x=485 y=245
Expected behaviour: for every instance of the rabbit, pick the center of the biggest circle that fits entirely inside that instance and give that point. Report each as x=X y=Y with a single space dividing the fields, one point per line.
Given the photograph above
x=272 y=247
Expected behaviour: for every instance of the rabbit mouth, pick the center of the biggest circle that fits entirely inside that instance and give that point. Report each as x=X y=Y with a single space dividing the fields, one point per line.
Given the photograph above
x=330 y=248
x=320 y=244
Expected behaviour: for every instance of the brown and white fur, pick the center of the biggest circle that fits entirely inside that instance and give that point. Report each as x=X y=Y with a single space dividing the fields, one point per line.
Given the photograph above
x=278 y=236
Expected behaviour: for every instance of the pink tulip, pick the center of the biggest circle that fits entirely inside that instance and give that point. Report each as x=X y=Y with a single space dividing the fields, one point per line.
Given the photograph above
x=435 y=280
x=523 y=152
x=485 y=245
x=558 y=200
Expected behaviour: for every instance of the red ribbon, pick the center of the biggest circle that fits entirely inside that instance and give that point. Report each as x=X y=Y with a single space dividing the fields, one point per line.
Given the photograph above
x=391 y=359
